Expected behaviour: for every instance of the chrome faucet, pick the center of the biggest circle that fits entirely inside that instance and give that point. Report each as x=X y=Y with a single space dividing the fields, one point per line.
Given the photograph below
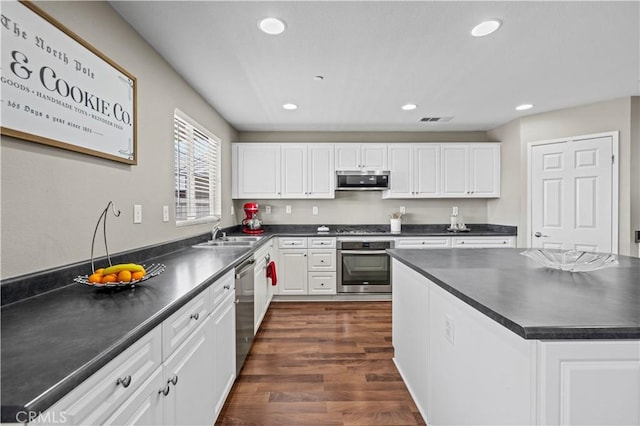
x=215 y=231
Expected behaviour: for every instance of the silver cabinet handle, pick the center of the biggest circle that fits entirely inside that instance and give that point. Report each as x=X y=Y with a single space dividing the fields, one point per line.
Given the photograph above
x=165 y=391
x=227 y=287
x=540 y=234
x=173 y=380
x=195 y=316
x=125 y=381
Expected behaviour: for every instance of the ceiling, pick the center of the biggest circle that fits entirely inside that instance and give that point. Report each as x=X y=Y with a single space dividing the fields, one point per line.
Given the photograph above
x=377 y=56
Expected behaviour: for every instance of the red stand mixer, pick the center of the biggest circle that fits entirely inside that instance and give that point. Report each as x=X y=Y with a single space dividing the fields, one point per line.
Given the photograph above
x=251 y=224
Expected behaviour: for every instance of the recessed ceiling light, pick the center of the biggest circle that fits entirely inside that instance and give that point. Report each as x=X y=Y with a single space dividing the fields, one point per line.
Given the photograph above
x=290 y=107
x=524 y=107
x=486 y=28
x=409 y=107
x=272 y=26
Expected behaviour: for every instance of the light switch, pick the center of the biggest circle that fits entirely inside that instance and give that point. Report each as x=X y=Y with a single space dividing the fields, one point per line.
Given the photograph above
x=165 y=213
x=287 y=209
x=137 y=213
x=315 y=210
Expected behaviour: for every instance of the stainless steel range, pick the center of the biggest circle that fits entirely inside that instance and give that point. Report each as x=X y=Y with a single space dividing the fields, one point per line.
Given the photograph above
x=364 y=266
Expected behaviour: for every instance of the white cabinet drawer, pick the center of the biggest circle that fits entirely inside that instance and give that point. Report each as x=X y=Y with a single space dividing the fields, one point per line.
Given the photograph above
x=322 y=283
x=179 y=326
x=144 y=407
x=293 y=242
x=321 y=242
x=95 y=399
x=482 y=242
x=221 y=289
x=423 y=243
x=322 y=260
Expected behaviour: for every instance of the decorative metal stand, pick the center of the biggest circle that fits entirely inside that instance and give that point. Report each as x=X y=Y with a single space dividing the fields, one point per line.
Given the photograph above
x=150 y=271
x=103 y=218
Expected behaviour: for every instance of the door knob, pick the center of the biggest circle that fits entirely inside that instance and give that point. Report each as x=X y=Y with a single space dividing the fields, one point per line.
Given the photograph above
x=540 y=234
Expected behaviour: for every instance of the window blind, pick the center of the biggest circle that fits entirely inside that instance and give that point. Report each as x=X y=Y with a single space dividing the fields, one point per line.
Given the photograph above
x=197 y=171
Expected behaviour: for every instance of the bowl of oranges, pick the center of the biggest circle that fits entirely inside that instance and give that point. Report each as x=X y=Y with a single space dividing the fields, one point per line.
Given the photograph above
x=120 y=275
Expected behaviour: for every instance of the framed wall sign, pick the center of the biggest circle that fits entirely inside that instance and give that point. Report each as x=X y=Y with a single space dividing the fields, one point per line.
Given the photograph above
x=59 y=90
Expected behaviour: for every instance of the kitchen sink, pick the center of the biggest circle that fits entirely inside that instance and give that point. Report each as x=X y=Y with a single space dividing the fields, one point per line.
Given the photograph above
x=233 y=241
x=250 y=238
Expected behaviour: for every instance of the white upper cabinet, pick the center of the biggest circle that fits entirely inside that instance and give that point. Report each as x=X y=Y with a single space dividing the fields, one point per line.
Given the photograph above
x=415 y=171
x=321 y=171
x=484 y=170
x=418 y=170
x=256 y=170
x=294 y=167
x=356 y=156
x=470 y=170
x=273 y=170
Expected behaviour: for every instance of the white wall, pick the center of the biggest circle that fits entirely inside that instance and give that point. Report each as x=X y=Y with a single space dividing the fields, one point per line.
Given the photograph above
x=52 y=198
x=618 y=114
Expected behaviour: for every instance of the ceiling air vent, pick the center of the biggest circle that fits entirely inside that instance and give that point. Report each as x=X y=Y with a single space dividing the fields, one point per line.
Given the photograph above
x=435 y=119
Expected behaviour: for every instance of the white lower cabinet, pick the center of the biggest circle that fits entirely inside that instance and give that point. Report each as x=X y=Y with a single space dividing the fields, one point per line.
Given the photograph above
x=589 y=383
x=307 y=266
x=263 y=288
x=144 y=407
x=410 y=336
x=293 y=271
x=111 y=387
x=183 y=382
x=423 y=242
x=463 y=368
x=322 y=282
x=455 y=242
x=188 y=380
x=483 y=242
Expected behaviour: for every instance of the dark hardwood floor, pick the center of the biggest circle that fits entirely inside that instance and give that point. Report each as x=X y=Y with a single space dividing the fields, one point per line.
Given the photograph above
x=321 y=364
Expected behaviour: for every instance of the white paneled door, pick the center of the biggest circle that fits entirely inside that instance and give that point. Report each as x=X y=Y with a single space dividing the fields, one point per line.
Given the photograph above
x=573 y=200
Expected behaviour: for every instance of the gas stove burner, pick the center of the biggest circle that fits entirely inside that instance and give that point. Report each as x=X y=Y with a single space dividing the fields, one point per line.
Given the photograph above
x=368 y=230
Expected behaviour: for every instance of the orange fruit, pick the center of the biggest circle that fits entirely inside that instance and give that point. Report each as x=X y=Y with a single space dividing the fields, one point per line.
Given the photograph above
x=137 y=276
x=95 y=278
x=99 y=271
x=124 y=276
x=111 y=278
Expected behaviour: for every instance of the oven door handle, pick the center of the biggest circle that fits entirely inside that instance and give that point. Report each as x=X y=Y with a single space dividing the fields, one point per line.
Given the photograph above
x=363 y=252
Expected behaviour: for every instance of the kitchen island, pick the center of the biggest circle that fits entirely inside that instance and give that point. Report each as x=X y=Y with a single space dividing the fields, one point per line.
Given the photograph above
x=490 y=337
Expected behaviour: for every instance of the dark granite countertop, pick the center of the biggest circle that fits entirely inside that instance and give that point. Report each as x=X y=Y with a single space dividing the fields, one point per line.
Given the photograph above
x=55 y=334
x=407 y=230
x=533 y=301
x=53 y=342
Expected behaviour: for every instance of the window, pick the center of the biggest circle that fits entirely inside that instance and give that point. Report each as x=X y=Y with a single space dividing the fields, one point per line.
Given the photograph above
x=197 y=169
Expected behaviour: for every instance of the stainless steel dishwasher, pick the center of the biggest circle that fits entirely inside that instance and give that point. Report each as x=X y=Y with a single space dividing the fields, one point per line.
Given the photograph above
x=244 y=311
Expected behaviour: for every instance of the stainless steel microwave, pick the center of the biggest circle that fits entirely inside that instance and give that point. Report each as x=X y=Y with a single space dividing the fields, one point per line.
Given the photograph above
x=366 y=180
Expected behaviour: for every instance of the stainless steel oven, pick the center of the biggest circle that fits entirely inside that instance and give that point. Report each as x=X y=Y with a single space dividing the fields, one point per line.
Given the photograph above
x=364 y=266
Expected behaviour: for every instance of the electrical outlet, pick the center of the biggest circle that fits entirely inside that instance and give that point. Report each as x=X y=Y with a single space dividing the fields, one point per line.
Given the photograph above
x=165 y=213
x=449 y=328
x=267 y=209
x=287 y=209
x=403 y=209
x=137 y=213
x=315 y=210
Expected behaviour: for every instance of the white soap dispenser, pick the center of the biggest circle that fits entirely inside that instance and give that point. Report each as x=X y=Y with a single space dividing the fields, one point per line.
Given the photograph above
x=454 y=219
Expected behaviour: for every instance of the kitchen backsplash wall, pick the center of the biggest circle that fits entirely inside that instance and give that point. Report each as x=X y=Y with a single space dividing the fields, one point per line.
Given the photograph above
x=351 y=207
